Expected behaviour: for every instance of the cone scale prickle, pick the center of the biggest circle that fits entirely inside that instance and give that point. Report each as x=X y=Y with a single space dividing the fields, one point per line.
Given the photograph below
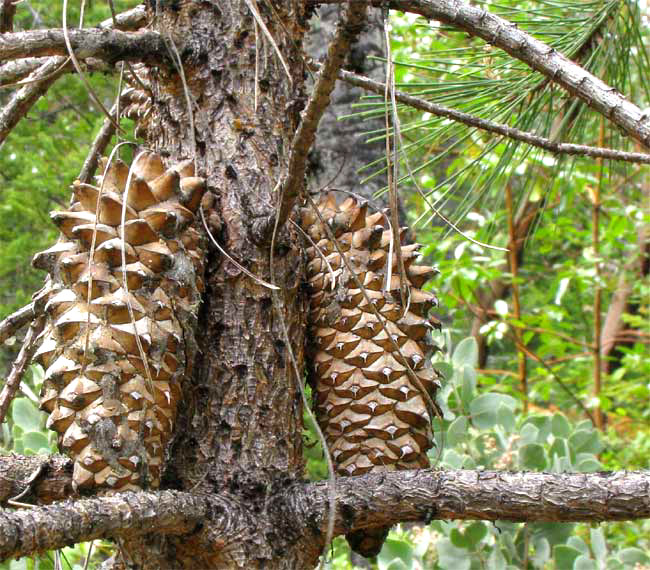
x=119 y=334
x=372 y=412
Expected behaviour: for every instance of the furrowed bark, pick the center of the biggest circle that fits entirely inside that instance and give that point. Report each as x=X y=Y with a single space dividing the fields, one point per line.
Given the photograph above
x=106 y=44
x=534 y=53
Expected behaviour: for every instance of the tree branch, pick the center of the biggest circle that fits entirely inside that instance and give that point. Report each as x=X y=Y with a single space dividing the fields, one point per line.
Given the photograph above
x=108 y=45
x=132 y=19
x=25 y=98
x=14 y=322
x=496 y=128
x=427 y=494
x=534 y=53
x=63 y=524
x=53 y=480
x=347 y=30
x=18 y=369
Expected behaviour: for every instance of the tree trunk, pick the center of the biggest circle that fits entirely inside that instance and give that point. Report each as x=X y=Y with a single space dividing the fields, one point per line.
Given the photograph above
x=240 y=426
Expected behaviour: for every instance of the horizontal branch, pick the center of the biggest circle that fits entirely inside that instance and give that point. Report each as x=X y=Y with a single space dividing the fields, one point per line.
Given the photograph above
x=105 y=44
x=534 y=53
x=128 y=20
x=427 y=494
x=496 y=128
x=367 y=501
x=62 y=524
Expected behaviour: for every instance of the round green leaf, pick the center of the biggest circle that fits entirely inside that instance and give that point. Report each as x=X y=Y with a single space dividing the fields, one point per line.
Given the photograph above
x=451 y=557
x=466 y=353
x=598 y=545
x=560 y=426
x=26 y=415
x=633 y=556
x=583 y=562
x=457 y=431
x=532 y=456
x=565 y=556
x=35 y=441
x=475 y=533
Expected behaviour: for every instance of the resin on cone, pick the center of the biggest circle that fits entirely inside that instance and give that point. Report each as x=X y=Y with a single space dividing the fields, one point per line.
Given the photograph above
x=372 y=412
x=126 y=278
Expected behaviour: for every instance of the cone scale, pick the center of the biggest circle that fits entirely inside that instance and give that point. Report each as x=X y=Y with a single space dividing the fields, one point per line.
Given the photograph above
x=119 y=334
x=372 y=413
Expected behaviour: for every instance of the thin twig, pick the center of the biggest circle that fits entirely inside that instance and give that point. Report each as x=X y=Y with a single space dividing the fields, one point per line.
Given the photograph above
x=24 y=99
x=492 y=127
x=13 y=323
x=18 y=369
x=347 y=29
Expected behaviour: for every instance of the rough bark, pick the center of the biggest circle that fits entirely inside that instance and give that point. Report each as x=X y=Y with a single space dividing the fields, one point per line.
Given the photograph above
x=109 y=45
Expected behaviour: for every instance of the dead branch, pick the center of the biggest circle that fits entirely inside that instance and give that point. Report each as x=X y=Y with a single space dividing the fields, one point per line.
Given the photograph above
x=105 y=44
x=496 y=128
x=18 y=369
x=130 y=20
x=14 y=322
x=25 y=98
x=534 y=53
x=62 y=524
x=347 y=29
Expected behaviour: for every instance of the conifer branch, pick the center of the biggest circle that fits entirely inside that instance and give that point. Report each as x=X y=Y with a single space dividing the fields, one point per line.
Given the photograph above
x=539 y=56
x=14 y=322
x=496 y=128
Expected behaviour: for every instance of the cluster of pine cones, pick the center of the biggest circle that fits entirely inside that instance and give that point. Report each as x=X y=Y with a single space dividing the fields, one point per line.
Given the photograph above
x=125 y=285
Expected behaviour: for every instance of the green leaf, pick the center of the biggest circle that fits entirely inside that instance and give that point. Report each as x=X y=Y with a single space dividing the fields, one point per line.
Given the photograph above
x=450 y=557
x=583 y=441
x=532 y=456
x=565 y=556
x=528 y=434
x=484 y=408
x=506 y=417
x=579 y=544
x=445 y=369
x=36 y=442
x=475 y=532
x=583 y=562
x=395 y=550
x=457 y=431
x=598 y=546
x=26 y=415
x=633 y=556
x=468 y=388
x=588 y=465
x=458 y=539
x=466 y=353
x=542 y=552
x=560 y=426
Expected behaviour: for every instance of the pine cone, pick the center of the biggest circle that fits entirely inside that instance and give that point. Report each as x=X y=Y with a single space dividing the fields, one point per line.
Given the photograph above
x=371 y=411
x=114 y=365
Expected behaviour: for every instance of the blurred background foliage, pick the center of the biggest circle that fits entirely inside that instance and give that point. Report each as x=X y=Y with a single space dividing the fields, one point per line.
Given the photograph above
x=533 y=382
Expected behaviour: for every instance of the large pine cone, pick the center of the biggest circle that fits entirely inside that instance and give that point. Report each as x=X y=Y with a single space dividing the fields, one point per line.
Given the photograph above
x=119 y=338
x=372 y=413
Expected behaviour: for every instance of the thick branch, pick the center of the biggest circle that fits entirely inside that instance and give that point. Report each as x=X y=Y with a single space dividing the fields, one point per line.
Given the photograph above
x=130 y=20
x=534 y=53
x=347 y=30
x=108 y=45
x=63 y=524
x=424 y=495
x=496 y=128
